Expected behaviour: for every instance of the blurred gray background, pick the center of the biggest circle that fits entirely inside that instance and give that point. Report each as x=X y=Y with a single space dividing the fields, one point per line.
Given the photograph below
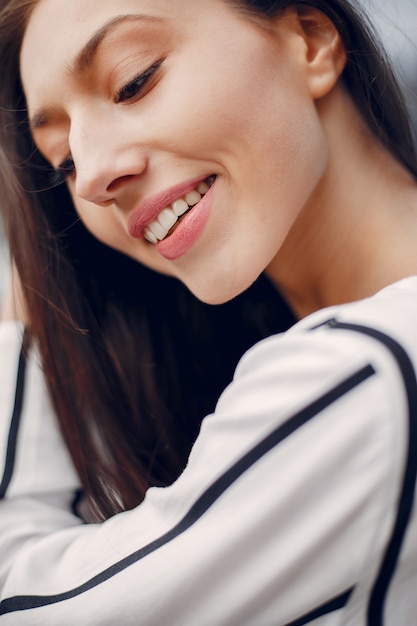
x=396 y=20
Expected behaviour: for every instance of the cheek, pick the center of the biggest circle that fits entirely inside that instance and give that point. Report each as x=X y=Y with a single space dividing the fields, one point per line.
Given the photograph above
x=248 y=108
x=297 y=151
x=220 y=89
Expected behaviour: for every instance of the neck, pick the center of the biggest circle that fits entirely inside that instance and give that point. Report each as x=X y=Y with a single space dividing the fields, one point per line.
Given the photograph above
x=358 y=232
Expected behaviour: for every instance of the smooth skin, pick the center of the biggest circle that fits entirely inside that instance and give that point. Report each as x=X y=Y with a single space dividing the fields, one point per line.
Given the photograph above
x=303 y=190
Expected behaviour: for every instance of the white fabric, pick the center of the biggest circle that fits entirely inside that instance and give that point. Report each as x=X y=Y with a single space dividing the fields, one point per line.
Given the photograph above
x=305 y=523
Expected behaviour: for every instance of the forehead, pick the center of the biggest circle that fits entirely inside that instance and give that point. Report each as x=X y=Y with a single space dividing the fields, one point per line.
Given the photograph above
x=58 y=30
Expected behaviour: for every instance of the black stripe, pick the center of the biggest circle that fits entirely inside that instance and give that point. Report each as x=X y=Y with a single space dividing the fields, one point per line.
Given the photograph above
x=14 y=426
x=329 y=607
x=208 y=498
x=393 y=550
x=78 y=496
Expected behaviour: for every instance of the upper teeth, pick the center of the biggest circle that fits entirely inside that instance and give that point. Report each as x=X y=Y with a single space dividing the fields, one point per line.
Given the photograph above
x=158 y=229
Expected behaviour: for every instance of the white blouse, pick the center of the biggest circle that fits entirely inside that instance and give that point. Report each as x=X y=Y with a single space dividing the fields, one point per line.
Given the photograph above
x=296 y=506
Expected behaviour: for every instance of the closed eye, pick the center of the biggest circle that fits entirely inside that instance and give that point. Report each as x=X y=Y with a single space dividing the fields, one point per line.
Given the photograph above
x=61 y=173
x=136 y=87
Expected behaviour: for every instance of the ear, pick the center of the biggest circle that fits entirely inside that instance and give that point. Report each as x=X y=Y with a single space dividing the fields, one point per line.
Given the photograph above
x=325 y=54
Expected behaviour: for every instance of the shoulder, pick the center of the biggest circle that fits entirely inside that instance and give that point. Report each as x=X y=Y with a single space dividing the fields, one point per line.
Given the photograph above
x=367 y=331
x=339 y=362
x=342 y=378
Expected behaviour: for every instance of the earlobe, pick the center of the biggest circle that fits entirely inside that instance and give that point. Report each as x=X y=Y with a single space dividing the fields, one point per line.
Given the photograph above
x=325 y=52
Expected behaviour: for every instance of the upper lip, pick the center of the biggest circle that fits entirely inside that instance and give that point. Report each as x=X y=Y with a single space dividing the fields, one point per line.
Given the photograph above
x=146 y=212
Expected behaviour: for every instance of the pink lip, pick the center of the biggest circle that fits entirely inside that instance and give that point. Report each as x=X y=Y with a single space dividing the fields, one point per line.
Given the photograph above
x=189 y=229
x=151 y=207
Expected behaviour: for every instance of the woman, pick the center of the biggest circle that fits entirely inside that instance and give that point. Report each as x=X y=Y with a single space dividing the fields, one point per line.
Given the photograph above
x=210 y=143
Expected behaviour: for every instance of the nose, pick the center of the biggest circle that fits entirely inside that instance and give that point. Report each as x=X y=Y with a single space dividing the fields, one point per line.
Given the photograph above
x=106 y=162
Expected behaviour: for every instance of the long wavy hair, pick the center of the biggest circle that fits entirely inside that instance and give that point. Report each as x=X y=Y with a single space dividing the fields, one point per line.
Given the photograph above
x=132 y=372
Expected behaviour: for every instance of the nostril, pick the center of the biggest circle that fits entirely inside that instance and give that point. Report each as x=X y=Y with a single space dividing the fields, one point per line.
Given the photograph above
x=119 y=182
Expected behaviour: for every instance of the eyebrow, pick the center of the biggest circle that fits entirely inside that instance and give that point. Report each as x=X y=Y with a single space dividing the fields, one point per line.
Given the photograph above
x=86 y=56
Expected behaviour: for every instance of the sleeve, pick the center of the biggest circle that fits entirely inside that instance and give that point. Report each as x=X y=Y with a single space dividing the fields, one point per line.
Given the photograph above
x=286 y=502
x=36 y=473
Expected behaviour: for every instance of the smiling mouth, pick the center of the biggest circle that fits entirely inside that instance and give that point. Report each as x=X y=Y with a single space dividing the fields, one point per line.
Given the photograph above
x=168 y=219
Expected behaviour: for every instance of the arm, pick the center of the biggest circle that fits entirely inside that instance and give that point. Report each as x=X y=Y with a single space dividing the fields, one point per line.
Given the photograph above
x=277 y=513
x=37 y=480
x=36 y=473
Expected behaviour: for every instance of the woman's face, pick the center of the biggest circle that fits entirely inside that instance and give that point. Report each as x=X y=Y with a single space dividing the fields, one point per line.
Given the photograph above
x=164 y=105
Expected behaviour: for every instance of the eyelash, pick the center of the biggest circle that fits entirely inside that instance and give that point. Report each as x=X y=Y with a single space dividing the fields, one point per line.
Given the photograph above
x=134 y=88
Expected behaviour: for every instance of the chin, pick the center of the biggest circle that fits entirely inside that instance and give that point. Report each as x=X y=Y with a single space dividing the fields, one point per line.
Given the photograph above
x=219 y=293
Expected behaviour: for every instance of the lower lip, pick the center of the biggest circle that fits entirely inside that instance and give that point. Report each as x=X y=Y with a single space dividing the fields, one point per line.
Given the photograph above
x=189 y=230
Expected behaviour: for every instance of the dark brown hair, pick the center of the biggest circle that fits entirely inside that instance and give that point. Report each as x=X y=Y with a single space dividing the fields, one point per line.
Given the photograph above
x=132 y=360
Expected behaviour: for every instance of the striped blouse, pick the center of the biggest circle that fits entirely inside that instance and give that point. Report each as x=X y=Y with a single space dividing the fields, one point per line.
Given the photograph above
x=296 y=506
